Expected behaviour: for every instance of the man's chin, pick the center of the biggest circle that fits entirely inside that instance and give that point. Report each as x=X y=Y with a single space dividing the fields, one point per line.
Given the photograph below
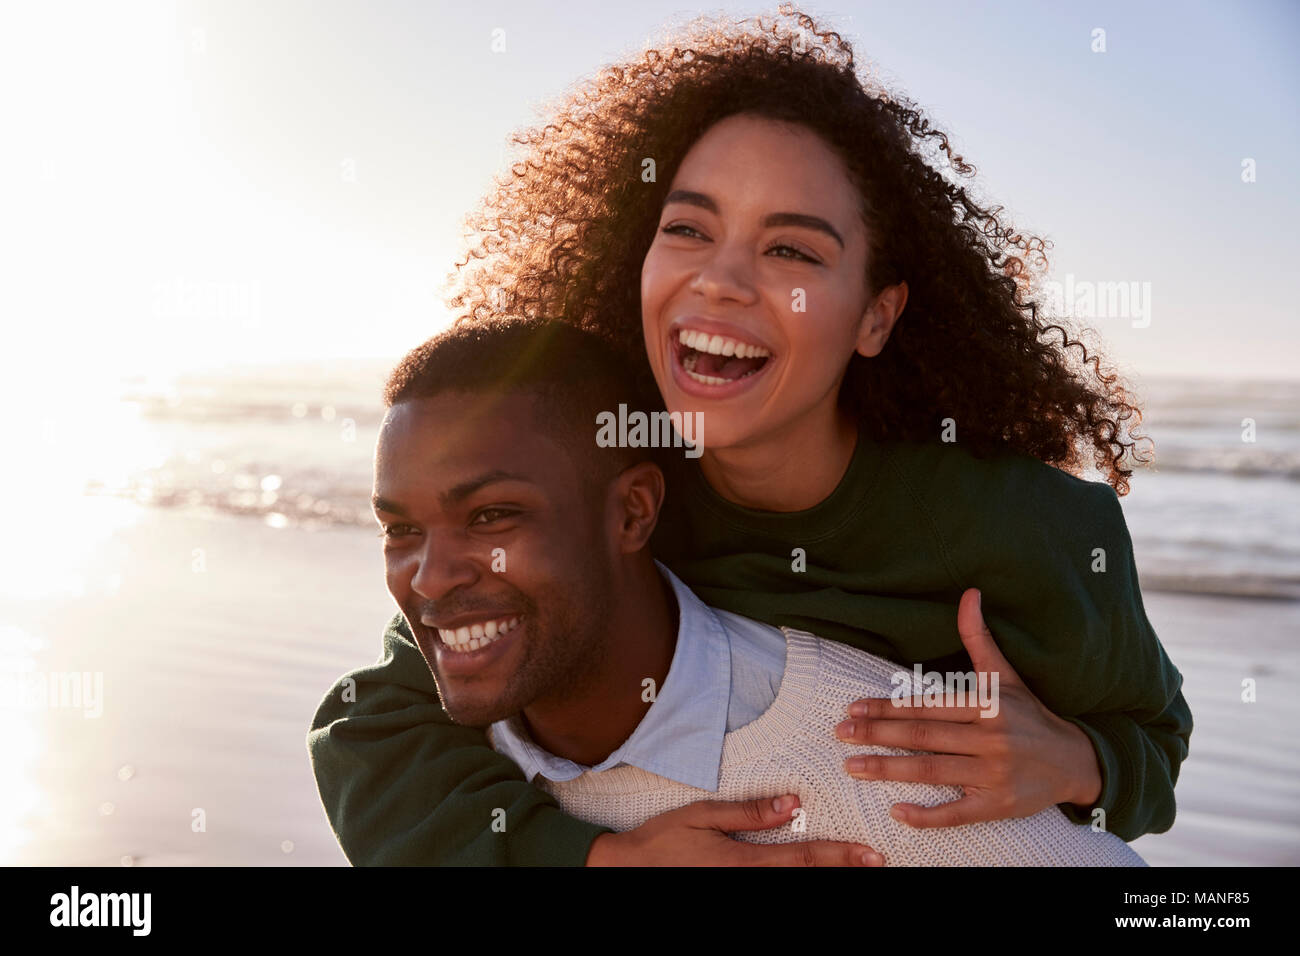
x=468 y=712
x=476 y=718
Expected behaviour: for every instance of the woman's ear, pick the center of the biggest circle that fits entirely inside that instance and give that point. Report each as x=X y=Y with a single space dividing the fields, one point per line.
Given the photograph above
x=879 y=319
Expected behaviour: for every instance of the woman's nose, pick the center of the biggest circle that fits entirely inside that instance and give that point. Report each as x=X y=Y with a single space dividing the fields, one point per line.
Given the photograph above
x=727 y=274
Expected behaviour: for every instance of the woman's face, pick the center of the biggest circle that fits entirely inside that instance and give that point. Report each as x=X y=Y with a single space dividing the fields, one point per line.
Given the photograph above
x=753 y=294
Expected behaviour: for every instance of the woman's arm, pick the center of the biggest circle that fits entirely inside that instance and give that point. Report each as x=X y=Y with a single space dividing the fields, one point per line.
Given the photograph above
x=404 y=786
x=1140 y=758
x=1015 y=757
x=1054 y=560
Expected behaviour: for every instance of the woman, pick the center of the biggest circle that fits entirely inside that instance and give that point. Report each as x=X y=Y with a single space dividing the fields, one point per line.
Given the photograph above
x=882 y=404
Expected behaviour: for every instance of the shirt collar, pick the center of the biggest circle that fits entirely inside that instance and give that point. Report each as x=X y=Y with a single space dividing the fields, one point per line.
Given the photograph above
x=681 y=735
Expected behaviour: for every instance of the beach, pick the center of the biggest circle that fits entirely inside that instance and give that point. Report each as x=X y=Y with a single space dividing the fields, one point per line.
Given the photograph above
x=217 y=635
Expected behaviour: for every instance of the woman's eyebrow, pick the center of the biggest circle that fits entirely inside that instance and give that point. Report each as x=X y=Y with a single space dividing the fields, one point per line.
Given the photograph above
x=807 y=222
x=774 y=219
x=691 y=199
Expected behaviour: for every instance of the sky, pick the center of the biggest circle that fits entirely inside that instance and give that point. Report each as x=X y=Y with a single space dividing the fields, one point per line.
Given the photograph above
x=191 y=184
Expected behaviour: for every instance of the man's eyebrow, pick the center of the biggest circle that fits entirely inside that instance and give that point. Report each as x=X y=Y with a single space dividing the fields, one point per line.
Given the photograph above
x=380 y=503
x=455 y=493
x=467 y=488
x=774 y=219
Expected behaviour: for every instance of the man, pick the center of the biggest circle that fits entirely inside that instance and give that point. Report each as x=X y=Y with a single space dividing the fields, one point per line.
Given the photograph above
x=517 y=549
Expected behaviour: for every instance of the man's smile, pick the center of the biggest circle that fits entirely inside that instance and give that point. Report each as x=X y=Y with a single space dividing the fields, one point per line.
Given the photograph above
x=470 y=647
x=471 y=636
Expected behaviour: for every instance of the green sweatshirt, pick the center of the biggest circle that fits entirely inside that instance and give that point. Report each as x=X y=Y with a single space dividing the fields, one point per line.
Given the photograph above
x=880 y=564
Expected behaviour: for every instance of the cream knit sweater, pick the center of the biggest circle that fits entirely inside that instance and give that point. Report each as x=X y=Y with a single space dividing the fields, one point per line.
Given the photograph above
x=792 y=748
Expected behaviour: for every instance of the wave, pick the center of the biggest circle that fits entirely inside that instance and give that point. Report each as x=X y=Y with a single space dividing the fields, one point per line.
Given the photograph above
x=1231 y=462
x=1266 y=586
x=340 y=507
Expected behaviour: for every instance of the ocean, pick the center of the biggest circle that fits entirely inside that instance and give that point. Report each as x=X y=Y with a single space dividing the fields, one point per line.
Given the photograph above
x=1218 y=511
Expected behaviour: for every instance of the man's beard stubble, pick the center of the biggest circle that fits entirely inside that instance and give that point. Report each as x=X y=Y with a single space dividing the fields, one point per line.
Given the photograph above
x=564 y=660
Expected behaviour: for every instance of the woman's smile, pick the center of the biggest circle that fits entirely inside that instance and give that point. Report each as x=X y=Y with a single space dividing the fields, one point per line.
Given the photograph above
x=714 y=359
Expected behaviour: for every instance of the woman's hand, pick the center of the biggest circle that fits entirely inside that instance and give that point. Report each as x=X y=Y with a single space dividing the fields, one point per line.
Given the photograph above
x=1014 y=764
x=696 y=835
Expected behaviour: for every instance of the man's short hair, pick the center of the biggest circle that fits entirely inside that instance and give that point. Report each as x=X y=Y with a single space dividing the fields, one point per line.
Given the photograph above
x=574 y=374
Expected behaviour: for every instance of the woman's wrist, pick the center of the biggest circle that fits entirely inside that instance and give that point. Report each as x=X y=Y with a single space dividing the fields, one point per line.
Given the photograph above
x=1086 y=788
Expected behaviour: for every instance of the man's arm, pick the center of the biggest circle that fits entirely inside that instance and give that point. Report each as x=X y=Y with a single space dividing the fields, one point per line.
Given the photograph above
x=402 y=785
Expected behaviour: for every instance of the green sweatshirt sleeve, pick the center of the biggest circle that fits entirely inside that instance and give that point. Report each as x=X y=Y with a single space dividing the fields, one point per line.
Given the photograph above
x=1140 y=751
x=1131 y=751
x=1061 y=591
x=402 y=785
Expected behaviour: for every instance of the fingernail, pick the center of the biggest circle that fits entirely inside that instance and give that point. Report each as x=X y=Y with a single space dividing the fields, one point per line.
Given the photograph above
x=856 y=764
x=979 y=601
x=845 y=730
x=872 y=858
x=857 y=709
x=898 y=814
x=781 y=804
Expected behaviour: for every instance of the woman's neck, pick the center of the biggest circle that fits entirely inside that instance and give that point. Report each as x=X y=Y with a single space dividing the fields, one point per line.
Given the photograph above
x=792 y=469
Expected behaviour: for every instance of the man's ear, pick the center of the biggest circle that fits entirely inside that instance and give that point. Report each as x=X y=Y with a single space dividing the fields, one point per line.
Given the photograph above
x=879 y=319
x=636 y=496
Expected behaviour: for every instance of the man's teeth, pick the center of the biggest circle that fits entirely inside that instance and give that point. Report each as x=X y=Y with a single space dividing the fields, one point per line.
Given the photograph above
x=720 y=345
x=474 y=636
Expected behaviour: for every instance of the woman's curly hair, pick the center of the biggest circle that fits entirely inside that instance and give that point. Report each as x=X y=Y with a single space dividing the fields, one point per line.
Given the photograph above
x=563 y=235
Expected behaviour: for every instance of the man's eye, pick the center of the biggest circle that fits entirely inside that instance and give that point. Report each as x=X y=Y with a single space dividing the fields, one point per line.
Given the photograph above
x=394 y=530
x=489 y=515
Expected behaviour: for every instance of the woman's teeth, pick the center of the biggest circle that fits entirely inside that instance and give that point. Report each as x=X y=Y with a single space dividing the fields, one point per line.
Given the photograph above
x=720 y=345
x=718 y=360
x=474 y=636
x=706 y=379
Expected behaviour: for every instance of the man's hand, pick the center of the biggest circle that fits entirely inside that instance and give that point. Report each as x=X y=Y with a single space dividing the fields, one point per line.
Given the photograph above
x=696 y=835
x=1014 y=764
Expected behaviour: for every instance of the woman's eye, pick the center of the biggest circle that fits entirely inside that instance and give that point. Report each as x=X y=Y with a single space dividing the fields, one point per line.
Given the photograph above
x=681 y=229
x=794 y=253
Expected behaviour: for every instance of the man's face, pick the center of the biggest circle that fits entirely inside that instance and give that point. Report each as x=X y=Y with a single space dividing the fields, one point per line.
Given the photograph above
x=494 y=549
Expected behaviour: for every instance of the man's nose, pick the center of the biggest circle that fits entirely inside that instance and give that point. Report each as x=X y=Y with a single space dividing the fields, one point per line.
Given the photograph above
x=446 y=562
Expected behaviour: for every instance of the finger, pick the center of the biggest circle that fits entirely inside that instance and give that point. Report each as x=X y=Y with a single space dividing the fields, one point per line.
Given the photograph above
x=934 y=735
x=969 y=809
x=923 y=768
x=812 y=853
x=886 y=708
x=761 y=814
x=978 y=639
